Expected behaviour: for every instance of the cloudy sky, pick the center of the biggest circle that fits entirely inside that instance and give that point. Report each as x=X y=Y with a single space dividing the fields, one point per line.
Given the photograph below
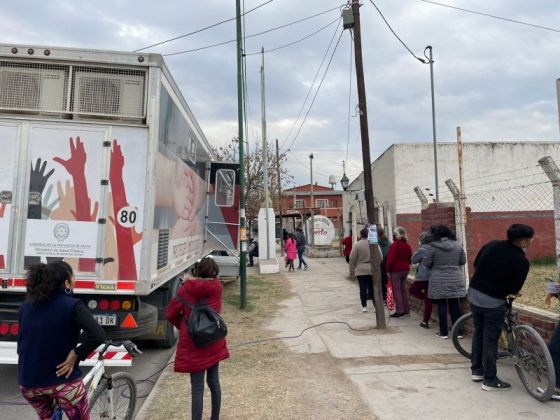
x=495 y=79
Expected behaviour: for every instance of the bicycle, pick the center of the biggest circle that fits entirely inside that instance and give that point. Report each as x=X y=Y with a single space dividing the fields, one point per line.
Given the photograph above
x=106 y=393
x=520 y=343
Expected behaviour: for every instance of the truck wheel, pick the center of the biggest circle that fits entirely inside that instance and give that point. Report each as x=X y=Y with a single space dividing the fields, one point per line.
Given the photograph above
x=147 y=322
x=171 y=333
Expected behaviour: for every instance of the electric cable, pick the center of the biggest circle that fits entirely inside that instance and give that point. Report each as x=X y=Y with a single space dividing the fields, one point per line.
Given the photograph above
x=396 y=36
x=201 y=29
x=317 y=91
x=298 y=40
x=493 y=16
x=310 y=88
x=252 y=35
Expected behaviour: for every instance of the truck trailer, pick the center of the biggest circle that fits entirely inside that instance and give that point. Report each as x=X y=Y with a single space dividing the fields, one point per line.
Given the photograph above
x=104 y=166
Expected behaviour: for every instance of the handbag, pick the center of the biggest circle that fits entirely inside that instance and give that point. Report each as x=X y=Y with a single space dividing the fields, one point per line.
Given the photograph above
x=390 y=296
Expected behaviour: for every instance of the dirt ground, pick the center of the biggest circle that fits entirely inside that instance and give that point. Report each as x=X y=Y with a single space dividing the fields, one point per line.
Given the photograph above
x=534 y=289
x=265 y=380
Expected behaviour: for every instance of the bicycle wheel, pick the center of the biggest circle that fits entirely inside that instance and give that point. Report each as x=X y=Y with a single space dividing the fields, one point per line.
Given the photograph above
x=464 y=327
x=124 y=398
x=533 y=362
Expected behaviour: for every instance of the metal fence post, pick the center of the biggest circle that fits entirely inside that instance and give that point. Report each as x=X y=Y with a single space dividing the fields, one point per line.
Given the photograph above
x=551 y=170
x=422 y=197
x=460 y=221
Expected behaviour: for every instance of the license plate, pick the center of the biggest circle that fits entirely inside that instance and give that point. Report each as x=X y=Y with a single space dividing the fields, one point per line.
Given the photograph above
x=106 y=319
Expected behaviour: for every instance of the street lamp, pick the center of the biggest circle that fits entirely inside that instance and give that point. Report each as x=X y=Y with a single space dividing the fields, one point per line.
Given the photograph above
x=344 y=182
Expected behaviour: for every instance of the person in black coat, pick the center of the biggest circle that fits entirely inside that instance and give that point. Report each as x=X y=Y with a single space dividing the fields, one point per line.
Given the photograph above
x=501 y=268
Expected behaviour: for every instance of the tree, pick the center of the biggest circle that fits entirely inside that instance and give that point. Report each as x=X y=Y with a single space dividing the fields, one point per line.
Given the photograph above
x=254 y=174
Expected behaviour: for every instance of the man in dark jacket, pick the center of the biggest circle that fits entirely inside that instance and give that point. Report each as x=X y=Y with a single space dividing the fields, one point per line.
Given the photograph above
x=501 y=268
x=253 y=251
x=301 y=242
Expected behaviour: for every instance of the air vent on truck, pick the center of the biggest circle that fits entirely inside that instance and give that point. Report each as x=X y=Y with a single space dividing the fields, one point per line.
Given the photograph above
x=163 y=248
x=109 y=93
x=26 y=87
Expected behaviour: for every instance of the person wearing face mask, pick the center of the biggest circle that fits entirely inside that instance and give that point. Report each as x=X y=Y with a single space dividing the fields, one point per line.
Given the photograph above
x=501 y=268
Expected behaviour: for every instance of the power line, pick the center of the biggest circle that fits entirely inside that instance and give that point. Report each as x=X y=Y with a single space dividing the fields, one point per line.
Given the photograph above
x=202 y=29
x=254 y=35
x=492 y=16
x=298 y=40
x=317 y=91
x=396 y=36
x=310 y=88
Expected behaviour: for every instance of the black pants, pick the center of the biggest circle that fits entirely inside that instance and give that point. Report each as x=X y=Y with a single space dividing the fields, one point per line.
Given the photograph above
x=197 y=391
x=366 y=288
x=384 y=279
x=554 y=348
x=251 y=256
x=488 y=324
x=454 y=311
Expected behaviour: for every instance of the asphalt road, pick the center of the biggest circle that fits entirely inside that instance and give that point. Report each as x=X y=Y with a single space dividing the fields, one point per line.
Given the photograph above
x=12 y=405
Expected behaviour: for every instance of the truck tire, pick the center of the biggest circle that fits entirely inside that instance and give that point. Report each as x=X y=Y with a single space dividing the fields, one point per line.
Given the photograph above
x=147 y=321
x=171 y=333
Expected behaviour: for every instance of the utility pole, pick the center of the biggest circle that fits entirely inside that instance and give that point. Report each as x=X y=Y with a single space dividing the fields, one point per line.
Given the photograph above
x=431 y=62
x=242 y=221
x=265 y=156
x=312 y=233
x=375 y=252
x=280 y=202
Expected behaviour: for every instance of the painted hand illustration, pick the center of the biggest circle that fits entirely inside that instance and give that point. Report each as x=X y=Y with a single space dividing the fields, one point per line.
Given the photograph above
x=47 y=207
x=77 y=162
x=2 y=209
x=66 y=203
x=180 y=229
x=38 y=178
x=182 y=193
x=196 y=193
x=125 y=239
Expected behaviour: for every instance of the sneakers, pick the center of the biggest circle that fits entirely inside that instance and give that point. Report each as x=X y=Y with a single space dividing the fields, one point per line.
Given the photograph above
x=477 y=376
x=424 y=324
x=395 y=315
x=364 y=309
x=443 y=336
x=305 y=268
x=556 y=395
x=496 y=385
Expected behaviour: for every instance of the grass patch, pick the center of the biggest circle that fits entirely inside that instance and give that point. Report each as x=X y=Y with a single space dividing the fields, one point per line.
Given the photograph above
x=534 y=290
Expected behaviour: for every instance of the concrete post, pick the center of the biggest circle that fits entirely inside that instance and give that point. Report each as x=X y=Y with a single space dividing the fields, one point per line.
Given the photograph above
x=422 y=197
x=460 y=221
x=551 y=170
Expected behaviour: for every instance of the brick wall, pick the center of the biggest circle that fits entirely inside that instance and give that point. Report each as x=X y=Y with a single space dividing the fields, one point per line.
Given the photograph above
x=413 y=225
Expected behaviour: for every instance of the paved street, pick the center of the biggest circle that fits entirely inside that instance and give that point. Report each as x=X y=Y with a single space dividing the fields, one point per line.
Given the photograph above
x=146 y=364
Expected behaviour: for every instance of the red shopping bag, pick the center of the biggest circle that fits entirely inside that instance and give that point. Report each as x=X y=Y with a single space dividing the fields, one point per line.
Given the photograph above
x=390 y=297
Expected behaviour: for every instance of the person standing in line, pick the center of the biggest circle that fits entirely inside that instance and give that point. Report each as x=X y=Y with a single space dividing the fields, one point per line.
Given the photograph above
x=252 y=251
x=446 y=285
x=301 y=242
x=199 y=361
x=384 y=245
x=291 y=251
x=419 y=288
x=347 y=246
x=50 y=321
x=360 y=267
x=398 y=265
x=501 y=269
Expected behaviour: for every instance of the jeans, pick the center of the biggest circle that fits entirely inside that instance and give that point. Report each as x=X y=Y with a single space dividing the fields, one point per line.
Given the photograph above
x=399 y=292
x=454 y=311
x=554 y=348
x=488 y=324
x=197 y=390
x=419 y=290
x=300 y=251
x=366 y=289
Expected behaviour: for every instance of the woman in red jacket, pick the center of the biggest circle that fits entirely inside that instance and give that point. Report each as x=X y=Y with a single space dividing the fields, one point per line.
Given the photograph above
x=197 y=361
x=398 y=266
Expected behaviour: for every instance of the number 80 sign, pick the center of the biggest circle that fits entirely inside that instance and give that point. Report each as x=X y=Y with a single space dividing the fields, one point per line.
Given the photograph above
x=127 y=216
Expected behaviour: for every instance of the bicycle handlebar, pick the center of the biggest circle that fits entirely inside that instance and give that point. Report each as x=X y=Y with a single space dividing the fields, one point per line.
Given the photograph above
x=129 y=346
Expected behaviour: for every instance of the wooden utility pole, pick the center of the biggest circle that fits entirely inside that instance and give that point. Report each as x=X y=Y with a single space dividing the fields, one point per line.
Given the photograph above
x=280 y=203
x=374 y=250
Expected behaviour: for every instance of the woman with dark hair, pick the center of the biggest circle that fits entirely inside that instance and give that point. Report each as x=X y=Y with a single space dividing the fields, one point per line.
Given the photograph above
x=50 y=321
x=205 y=286
x=419 y=288
x=446 y=284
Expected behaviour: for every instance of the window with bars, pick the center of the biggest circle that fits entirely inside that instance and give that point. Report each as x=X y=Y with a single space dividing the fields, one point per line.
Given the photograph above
x=300 y=204
x=322 y=203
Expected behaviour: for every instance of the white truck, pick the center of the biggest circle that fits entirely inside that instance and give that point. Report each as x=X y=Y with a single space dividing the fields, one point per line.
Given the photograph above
x=103 y=165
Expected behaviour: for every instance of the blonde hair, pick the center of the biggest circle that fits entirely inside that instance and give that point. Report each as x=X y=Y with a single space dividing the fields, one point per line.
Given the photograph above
x=400 y=233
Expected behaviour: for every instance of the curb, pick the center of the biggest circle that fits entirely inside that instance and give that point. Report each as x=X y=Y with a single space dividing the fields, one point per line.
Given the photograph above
x=142 y=413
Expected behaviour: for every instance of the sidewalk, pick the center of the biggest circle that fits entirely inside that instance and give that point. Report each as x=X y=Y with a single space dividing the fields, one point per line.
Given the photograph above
x=405 y=372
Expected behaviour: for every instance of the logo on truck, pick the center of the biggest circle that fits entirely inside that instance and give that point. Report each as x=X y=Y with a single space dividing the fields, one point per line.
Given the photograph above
x=61 y=231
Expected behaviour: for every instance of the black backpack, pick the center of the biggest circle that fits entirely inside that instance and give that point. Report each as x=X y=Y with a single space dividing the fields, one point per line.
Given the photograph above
x=204 y=324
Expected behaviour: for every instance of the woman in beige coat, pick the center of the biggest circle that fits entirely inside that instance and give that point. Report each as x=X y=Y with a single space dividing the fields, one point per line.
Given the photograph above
x=360 y=267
